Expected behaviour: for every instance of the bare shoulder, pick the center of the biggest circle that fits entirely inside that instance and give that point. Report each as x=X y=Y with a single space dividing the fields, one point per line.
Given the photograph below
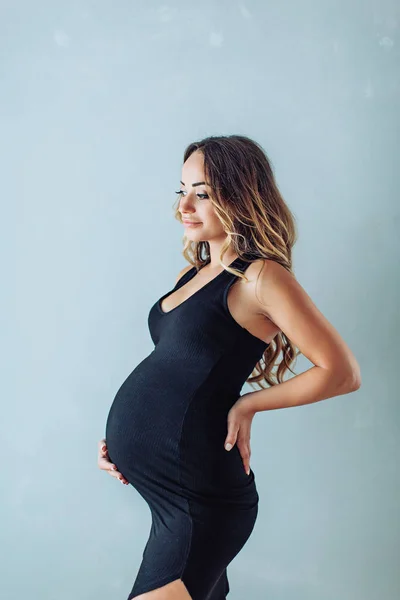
x=182 y=272
x=272 y=272
x=278 y=290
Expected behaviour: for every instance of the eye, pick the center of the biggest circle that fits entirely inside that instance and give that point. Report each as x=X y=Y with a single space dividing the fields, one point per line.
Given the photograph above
x=202 y=196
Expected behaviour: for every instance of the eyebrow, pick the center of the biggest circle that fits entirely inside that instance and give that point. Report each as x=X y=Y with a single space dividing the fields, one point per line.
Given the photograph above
x=198 y=183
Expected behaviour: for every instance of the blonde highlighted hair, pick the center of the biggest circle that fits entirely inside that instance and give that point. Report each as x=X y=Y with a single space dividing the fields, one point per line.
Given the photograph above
x=257 y=221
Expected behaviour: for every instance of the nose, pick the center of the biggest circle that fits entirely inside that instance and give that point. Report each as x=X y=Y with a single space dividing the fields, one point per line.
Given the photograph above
x=186 y=204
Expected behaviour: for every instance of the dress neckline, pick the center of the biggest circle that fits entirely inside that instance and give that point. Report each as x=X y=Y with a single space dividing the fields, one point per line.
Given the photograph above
x=163 y=312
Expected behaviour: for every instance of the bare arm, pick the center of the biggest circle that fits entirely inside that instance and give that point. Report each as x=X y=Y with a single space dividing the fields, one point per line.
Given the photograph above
x=335 y=372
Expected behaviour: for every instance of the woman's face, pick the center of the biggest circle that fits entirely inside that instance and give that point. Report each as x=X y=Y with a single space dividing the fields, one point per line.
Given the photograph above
x=195 y=204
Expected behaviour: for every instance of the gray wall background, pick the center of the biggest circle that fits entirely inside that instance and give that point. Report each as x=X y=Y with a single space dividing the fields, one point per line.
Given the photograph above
x=98 y=100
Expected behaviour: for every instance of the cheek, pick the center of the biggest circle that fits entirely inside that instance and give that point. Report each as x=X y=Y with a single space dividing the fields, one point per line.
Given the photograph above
x=209 y=218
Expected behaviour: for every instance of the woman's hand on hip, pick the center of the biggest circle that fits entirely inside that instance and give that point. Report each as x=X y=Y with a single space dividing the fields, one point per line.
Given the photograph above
x=240 y=418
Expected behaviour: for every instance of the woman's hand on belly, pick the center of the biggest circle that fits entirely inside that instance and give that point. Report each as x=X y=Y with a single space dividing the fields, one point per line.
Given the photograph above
x=104 y=463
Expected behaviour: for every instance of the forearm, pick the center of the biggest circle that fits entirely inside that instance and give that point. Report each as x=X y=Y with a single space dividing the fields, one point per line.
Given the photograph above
x=315 y=384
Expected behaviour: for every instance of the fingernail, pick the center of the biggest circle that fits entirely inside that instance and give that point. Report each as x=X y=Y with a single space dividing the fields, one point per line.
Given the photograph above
x=228 y=446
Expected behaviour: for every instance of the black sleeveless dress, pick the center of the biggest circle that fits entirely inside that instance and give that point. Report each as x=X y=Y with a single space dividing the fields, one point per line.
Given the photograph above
x=166 y=430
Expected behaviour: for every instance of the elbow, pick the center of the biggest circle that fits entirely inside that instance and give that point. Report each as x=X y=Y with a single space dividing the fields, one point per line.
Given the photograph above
x=347 y=378
x=355 y=384
x=352 y=381
x=350 y=375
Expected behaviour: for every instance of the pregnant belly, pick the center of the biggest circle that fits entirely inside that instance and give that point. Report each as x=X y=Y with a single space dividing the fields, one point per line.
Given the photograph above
x=143 y=431
x=154 y=453
x=160 y=433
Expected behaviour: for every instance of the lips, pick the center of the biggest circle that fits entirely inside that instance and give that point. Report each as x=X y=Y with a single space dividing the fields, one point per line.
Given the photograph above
x=191 y=222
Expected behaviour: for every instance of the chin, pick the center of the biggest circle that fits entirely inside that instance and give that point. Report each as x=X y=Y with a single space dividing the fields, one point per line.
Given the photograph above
x=194 y=233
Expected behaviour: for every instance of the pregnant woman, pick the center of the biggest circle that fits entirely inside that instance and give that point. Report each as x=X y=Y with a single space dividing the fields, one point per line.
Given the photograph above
x=178 y=429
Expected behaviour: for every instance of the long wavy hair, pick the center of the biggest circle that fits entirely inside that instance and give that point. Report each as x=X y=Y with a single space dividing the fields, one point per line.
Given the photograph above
x=257 y=221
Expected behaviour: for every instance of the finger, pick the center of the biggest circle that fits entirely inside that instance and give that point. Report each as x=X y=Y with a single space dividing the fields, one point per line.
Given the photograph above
x=103 y=460
x=231 y=437
x=113 y=471
x=245 y=453
x=233 y=428
x=104 y=463
x=102 y=446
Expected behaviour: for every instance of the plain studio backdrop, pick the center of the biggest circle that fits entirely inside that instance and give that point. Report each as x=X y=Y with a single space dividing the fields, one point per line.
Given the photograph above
x=98 y=101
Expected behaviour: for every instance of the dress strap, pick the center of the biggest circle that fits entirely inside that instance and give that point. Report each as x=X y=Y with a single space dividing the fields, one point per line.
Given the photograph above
x=185 y=277
x=239 y=263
